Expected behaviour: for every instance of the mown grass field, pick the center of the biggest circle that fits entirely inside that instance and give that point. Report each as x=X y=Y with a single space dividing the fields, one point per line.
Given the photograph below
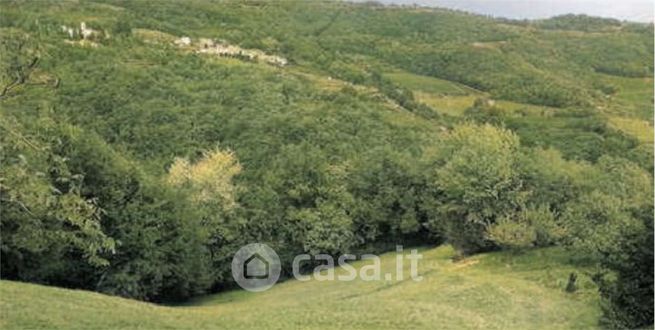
x=428 y=84
x=487 y=291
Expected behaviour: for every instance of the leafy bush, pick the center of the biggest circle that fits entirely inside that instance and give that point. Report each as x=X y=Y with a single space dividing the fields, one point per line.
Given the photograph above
x=477 y=173
x=526 y=228
x=48 y=224
x=512 y=234
x=628 y=296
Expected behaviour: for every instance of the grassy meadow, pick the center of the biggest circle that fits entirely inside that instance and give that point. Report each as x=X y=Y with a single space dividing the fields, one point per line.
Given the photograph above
x=488 y=291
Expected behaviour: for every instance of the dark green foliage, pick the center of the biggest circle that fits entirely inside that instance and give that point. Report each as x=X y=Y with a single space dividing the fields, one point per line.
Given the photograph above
x=579 y=22
x=571 y=286
x=135 y=240
x=48 y=224
x=629 y=296
x=392 y=197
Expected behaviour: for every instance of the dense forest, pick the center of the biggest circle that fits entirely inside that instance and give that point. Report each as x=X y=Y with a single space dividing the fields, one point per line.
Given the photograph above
x=133 y=163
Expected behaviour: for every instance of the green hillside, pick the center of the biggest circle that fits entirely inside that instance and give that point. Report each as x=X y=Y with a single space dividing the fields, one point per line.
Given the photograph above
x=488 y=291
x=142 y=143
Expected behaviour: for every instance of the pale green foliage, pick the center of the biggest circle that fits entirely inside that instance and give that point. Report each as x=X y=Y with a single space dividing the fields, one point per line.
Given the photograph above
x=526 y=228
x=545 y=225
x=209 y=179
x=512 y=233
x=483 y=157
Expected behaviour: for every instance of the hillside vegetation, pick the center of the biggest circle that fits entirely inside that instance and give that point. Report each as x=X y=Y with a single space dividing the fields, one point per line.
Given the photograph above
x=488 y=291
x=144 y=142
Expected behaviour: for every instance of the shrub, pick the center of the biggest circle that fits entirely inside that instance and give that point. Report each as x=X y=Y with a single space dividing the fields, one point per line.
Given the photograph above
x=512 y=234
x=479 y=181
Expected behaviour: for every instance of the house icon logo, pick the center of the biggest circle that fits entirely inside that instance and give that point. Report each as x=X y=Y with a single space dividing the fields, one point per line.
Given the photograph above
x=256 y=267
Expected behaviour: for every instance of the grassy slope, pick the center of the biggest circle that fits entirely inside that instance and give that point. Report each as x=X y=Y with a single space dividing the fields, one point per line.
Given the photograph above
x=490 y=291
x=631 y=109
